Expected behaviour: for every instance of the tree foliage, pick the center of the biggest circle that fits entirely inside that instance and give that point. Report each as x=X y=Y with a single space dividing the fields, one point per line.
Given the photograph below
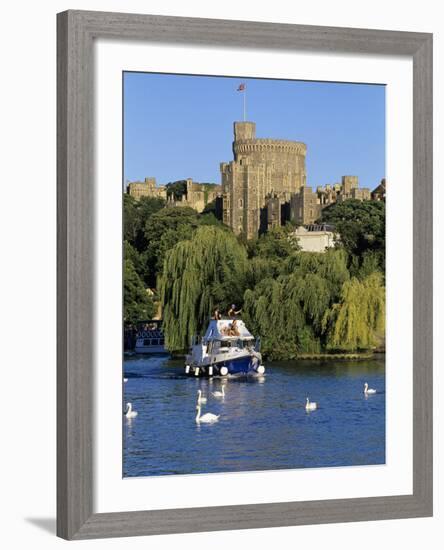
x=276 y=244
x=137 y=304
x=199 y=274
x=287 y=311
x=162 y=231
x=136 y=214
x=315 y=305
x=176 y=189
x=361 y=226
x=357 y=321
x=298 y=302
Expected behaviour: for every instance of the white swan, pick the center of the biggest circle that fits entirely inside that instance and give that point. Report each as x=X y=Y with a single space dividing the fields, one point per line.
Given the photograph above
x=310 y=406
x=367 y=390
x=219 y=393
x=207 y=418
x=125 y=380
x=129 y=413
x=200 y=399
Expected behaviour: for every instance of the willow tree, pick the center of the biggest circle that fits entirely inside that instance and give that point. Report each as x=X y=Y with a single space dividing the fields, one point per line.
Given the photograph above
x=358 y=320
x=330 y=266
x=268 y=314
x=287 y=310
x=199 y=274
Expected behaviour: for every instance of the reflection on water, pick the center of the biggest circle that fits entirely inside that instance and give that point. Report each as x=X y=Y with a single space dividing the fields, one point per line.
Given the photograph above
x=263 y=424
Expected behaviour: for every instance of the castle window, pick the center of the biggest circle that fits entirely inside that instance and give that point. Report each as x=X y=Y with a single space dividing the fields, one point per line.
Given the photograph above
x=241 y=203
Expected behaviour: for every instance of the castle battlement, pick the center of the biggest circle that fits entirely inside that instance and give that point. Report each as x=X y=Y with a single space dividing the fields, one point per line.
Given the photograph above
x=196 y=195
x=246 y=146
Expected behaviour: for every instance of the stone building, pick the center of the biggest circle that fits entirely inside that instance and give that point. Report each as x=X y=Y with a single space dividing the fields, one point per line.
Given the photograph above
x=146 y=188
x=196 y=195
x=316 y=238
x=265 y=185
x=307 y=205
x=264 y=174
x=378 y=194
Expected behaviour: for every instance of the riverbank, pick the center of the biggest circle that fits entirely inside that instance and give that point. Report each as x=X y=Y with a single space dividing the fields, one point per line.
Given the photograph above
x=335 y=356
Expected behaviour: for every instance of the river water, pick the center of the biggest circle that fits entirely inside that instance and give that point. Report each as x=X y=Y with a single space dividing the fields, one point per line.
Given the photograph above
x=263 y=424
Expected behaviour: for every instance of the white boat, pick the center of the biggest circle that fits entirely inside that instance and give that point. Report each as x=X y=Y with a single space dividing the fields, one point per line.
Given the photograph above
x=150 y=338
x=226 y=348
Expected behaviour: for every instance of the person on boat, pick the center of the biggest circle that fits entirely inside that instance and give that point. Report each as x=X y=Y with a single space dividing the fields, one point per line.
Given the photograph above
x=216 y=315
x=234 y=330
x=232 y=311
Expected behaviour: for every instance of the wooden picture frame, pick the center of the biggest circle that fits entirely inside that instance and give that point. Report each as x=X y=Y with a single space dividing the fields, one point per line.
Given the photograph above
x=77 y=31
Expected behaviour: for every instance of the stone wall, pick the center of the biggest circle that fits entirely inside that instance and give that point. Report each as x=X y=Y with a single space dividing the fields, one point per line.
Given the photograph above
x=195 y=196
x=146 y=188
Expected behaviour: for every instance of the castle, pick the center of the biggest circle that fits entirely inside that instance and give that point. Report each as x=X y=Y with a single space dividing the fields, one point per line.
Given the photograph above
x=196 y=195
x=263 y=187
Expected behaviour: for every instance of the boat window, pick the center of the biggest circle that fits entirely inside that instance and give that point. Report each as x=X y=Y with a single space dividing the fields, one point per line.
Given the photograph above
x=147 y=342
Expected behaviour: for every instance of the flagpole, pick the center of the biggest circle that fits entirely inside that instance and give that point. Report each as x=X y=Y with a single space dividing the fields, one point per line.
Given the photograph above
x=245 y=103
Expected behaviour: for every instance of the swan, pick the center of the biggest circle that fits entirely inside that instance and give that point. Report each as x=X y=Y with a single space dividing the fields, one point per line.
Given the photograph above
x=219 y=393
x=200 y=399
x=125 y=380
x=129 y=413
x=310 y=406
x=367 y=390
x=207 y=418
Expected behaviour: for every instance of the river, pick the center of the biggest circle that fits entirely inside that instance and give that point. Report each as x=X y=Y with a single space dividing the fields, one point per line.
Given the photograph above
x=263 y=424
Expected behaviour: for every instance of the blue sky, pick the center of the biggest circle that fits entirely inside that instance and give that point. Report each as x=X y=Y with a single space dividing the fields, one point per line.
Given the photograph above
x=179 y=126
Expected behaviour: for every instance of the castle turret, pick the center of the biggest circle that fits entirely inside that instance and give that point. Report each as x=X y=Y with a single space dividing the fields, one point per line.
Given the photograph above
x=244 y=130
x=261 y=168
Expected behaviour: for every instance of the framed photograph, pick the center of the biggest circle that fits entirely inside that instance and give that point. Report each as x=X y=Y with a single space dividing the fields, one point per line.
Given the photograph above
x=244 y=309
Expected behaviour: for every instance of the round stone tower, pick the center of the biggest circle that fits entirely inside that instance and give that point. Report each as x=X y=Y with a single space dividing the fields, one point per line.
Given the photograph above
x=262 y=169
x=282 y=160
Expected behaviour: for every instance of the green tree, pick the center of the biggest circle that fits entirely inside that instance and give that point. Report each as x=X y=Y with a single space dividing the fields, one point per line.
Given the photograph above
x=276 y=244
x=131 y=223
x=162 y=231
x=176 y=189
x=358 y=320
x=268 y=314
x=131 y=253
x=330 y=266
x=287 y=309
x=361 y=226
x=199 y=274
x=137 y=304
x=136 y=214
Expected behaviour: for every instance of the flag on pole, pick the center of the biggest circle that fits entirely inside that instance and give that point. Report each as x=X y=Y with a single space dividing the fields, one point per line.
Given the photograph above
x=243 y=88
